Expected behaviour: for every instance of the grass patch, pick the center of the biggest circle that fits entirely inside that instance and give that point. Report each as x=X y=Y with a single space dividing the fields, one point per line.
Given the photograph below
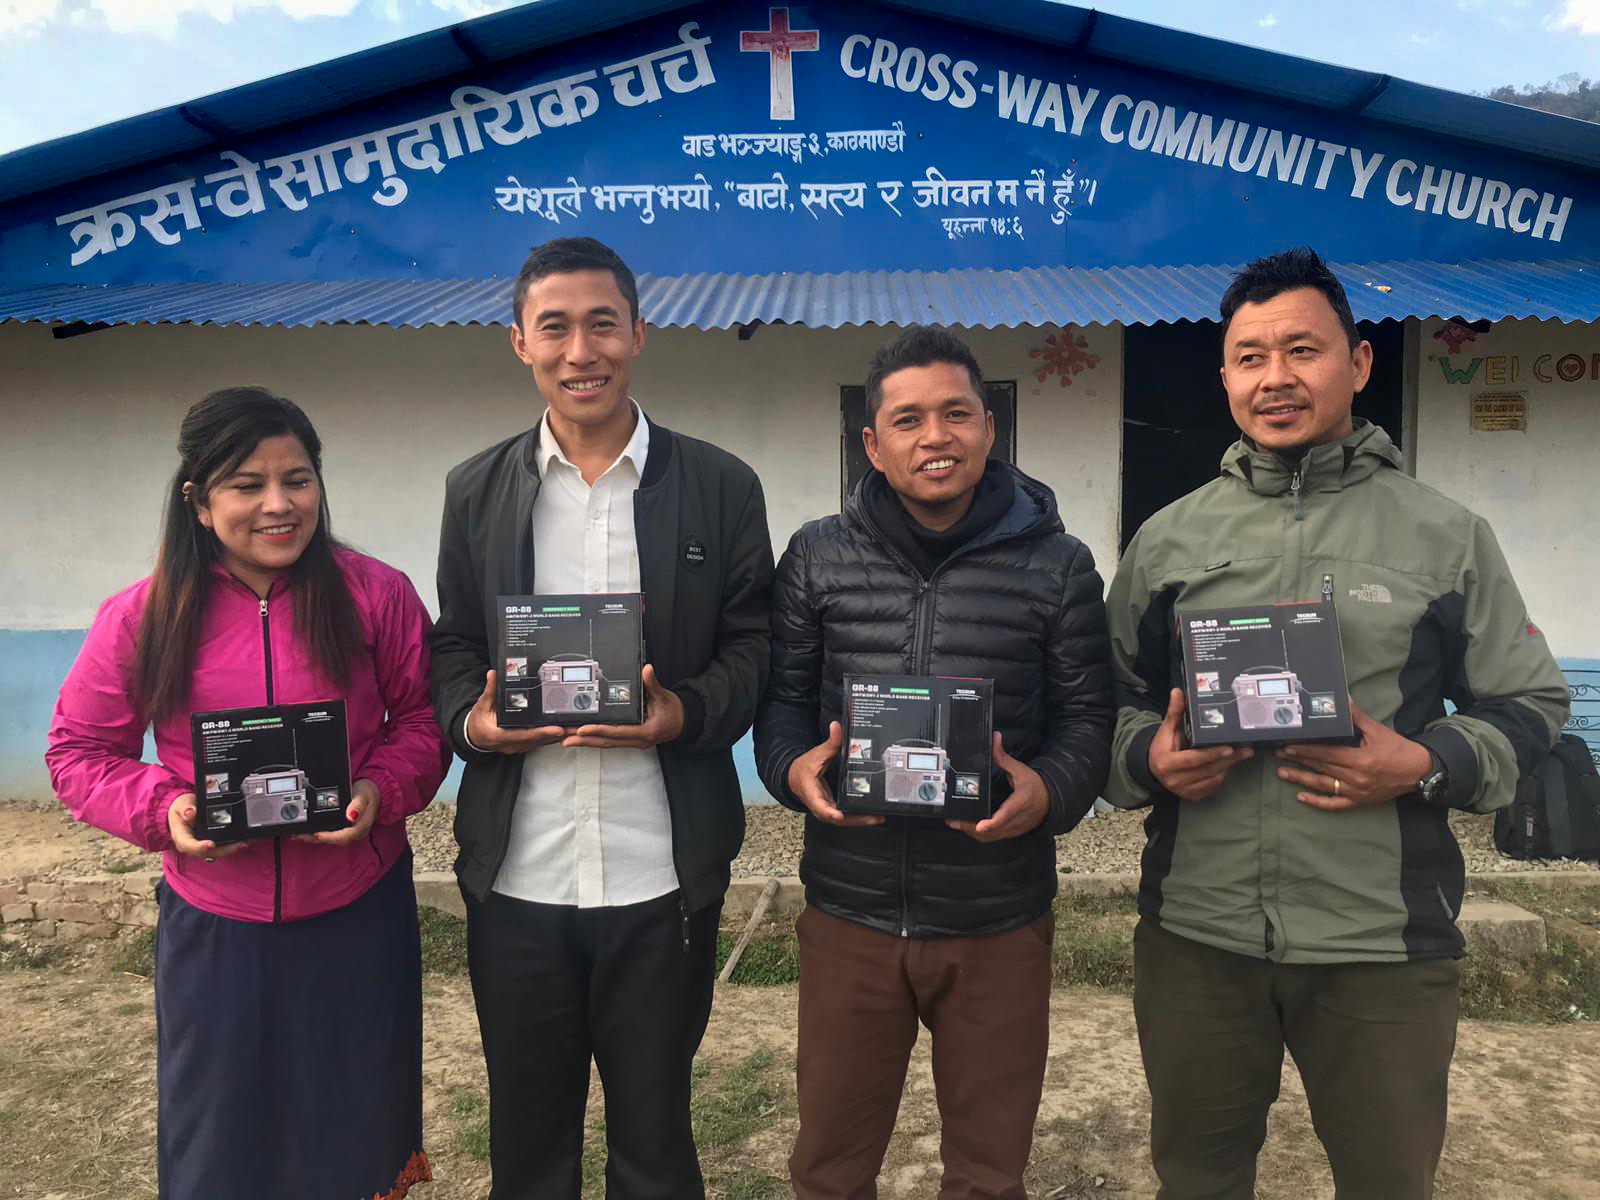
x=137 y=955
x=593 y=1163
x=444 y=941
x=750 y=1185
x=1094 y=942
x=1562 y=984
x=1093 y=947
x=126 y=867
x=1082 y=904
x=1075 y=1156
x=769 y=960
x=30 y=956
x=1573 y=901
x=470 y=1113
x=727 y=1110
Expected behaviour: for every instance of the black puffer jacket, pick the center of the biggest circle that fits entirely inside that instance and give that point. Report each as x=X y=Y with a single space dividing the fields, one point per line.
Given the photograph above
x=1020 y=604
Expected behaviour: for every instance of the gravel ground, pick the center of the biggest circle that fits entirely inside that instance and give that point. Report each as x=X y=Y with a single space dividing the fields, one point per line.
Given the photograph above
x=51 y=845
x=1108 y=843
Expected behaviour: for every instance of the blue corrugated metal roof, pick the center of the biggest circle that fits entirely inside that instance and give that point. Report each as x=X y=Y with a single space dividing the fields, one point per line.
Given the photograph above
x=461 y=49
x=1563 y=291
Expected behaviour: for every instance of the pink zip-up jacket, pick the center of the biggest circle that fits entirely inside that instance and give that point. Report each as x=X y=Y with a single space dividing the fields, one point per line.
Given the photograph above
x=247 y=643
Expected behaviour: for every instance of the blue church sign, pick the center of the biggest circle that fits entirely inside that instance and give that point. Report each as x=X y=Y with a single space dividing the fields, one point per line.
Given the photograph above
x=738 y=137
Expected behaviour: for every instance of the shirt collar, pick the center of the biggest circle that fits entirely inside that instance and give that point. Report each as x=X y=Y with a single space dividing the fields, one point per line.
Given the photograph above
x=635 y=451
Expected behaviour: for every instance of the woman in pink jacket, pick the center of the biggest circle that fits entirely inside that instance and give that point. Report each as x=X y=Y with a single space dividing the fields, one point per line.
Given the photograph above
x=288 y=970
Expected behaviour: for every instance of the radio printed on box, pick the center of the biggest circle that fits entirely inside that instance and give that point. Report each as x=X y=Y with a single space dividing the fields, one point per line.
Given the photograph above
x=1268 y=701
x=292 y=763
x=1285 y=668
x=571 y=660
x=935 y=733
x=914 y=774
x=569 y=687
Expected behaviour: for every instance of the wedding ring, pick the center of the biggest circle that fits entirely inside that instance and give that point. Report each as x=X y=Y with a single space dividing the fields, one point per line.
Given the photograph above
x=1335 y=787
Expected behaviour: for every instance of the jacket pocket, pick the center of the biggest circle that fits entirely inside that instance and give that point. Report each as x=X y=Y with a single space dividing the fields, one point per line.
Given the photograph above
x=1444 y=903
x=1043 y=927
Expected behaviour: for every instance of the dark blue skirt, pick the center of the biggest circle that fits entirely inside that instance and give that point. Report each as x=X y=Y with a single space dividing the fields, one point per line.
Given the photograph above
x=289 y=1057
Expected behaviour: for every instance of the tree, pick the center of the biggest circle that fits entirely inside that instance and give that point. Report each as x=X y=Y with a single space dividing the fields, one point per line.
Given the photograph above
x=1568 y=96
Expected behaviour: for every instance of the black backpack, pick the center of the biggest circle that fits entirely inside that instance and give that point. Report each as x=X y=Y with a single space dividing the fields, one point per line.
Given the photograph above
x=1557 y=810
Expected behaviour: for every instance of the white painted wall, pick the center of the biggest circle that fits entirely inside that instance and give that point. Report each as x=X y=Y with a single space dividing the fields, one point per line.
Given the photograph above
x=90 y=426
x=1537 y=489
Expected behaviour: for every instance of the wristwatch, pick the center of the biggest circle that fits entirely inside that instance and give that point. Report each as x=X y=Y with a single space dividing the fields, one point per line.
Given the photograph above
x=1433 y=786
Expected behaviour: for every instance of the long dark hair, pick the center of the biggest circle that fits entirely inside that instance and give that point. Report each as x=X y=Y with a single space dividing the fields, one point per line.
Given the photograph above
x=218 y=434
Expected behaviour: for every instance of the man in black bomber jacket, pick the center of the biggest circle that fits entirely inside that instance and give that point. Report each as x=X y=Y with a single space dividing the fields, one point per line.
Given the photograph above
x=593 y=860
x=941 y=563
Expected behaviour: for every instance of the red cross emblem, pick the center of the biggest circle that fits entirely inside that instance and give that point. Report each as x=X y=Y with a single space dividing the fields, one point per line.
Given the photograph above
x=780 y=43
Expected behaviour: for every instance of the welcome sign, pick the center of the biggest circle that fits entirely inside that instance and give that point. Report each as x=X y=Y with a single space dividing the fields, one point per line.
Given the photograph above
x=758 y=139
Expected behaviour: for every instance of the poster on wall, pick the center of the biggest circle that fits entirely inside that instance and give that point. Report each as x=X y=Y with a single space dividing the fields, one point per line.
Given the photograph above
x=1500 y=412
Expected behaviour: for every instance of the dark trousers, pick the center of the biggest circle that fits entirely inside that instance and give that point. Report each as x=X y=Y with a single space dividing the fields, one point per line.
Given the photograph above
x=1373 y=1043
x=985 y=1000
x=289 y=1054
x=555 y=985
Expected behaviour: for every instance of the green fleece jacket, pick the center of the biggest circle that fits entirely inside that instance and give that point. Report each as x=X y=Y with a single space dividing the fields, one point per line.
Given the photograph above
x=1428 y=613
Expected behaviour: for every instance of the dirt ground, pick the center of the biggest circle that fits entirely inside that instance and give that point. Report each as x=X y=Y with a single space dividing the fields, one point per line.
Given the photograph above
x=77 y=1104
x=48 y=844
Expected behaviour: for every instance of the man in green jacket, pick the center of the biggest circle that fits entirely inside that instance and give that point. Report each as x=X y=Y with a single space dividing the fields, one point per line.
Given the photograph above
x=1308 y=897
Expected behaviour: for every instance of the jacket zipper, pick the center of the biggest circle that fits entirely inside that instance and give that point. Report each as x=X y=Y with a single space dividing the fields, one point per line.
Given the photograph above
x=1289 y=585
x=921 y=654
x=921 y=657
x=277 y=843
x=525 y=586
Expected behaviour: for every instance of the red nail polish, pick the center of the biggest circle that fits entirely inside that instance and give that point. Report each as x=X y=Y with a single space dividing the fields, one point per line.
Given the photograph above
x=352 y=815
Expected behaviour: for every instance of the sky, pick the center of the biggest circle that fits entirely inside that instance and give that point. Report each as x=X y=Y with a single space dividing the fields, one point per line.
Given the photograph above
x=71 y=65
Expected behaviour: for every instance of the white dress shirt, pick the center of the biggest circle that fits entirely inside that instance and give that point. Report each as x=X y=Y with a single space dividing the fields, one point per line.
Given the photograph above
x=591 y=827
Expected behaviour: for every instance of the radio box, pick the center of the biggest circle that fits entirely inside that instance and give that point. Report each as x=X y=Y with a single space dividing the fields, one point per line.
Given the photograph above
x=1271 y=673
x=571 y=660
x=916 y=745
x=271 y=771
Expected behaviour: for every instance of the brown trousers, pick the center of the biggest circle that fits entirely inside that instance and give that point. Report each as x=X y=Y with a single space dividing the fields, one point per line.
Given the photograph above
x=985 y=1001
x=1373 y=1042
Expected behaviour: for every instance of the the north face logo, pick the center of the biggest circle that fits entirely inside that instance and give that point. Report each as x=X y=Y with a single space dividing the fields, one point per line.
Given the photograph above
x=1372 y=593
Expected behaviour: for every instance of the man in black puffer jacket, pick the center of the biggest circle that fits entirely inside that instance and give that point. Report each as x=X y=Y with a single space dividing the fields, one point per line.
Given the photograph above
x=942 y=563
